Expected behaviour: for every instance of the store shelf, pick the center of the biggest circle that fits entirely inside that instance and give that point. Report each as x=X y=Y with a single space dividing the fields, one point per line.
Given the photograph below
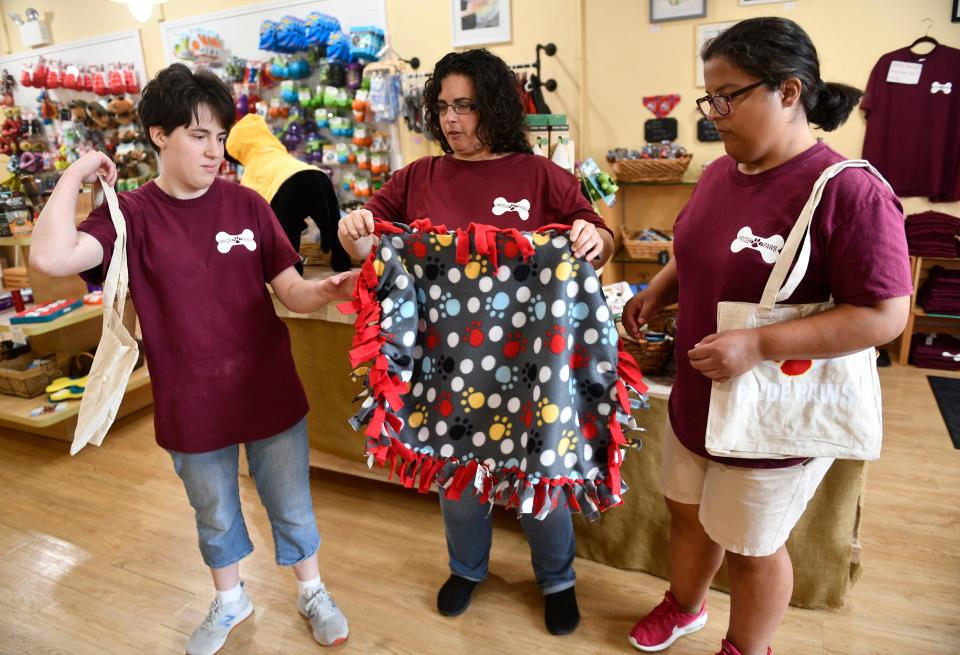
x=920 y=313
x=15 y=412
x=621 y=257
x=85 y=313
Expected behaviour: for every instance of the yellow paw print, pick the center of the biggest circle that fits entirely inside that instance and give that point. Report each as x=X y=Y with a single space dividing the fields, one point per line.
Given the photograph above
x=472 y=399
x=476 y=267
x=418 y=416
x=568 y=442
x=442 y=241
x=502 y=427
x=541 y=239
x=359 y=373
x=568 y=268
x=378 y=267
x=547 y=412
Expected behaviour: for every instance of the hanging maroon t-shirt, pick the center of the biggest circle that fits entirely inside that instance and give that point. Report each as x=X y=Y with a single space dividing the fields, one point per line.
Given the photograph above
x=729 y=235
x=219 y=357
x=521 y=191
x=913 y=130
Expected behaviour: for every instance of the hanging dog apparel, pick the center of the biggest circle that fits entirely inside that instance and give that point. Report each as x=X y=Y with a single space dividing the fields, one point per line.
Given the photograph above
x=493 y=361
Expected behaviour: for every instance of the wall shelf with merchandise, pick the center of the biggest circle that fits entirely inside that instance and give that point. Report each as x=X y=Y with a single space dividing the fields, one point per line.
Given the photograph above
x=921 y=321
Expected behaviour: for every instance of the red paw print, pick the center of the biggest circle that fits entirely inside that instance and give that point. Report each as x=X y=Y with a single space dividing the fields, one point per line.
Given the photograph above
x=589 y=427
x=418 y=247
x=514 y=344
x=580 y=357
x=526 y=413
x=511 y=249
x=444 y=404
x=432 y=337
x=474 y=334
x=556 y=341
x=794 y=367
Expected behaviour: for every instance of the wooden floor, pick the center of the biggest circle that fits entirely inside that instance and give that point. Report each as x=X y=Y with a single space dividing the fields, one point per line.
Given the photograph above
x=98 y=555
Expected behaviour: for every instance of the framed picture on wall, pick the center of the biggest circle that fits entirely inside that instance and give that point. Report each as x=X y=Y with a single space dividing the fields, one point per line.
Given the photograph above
x=955 y=14
x=706 y=32
x=477 y=22
x=664 y=10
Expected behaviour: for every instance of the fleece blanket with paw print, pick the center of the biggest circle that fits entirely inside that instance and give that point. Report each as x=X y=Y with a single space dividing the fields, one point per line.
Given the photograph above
x=490 y=360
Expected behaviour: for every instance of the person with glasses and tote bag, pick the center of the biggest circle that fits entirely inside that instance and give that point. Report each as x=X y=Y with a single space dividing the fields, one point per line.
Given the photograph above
x=488 y=175
x=764 y=92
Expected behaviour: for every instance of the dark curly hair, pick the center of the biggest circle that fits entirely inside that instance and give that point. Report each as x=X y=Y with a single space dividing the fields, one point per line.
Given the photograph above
x=501 y=126
x=774 y=49
x=172 y=99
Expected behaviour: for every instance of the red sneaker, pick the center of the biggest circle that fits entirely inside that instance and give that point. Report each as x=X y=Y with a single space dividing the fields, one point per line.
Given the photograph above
x=666 y=623
x=726 y=648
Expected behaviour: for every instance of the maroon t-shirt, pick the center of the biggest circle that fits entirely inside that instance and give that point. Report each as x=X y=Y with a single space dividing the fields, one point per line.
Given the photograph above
x=219 y=357
x=913 y=130
x=858 y=254
x=521 y=191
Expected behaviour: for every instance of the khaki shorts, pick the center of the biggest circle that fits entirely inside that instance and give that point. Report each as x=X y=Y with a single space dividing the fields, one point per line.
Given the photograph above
x=748 y=511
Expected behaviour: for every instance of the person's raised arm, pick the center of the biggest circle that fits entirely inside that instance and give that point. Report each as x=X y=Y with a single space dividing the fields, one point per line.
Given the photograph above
x=57 y=248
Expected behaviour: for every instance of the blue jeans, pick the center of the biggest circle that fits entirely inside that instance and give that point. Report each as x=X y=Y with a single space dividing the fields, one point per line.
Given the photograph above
x=280 y=465
x=470 y=533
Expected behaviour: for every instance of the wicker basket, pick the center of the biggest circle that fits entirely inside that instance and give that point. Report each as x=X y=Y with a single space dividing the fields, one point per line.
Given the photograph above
x=16 y=379
x=651 y=356
x=651 y=170
x=645 y=249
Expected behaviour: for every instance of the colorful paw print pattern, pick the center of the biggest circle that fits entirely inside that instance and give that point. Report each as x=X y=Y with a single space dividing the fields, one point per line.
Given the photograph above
x=511 y=361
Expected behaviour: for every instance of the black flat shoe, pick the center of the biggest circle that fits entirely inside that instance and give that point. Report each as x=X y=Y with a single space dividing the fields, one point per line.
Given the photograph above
x=561 y=613
x=453 y=599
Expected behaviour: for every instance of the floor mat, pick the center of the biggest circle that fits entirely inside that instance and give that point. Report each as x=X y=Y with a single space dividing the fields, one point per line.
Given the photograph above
x=947 y=393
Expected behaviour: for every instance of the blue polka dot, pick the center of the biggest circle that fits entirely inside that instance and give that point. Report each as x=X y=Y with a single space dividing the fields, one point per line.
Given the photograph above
x=426 y=364
x=500 y=301
x=453 y=307
x=407 y=309
x=541 y=310
x=503 y=374
x=580 y=311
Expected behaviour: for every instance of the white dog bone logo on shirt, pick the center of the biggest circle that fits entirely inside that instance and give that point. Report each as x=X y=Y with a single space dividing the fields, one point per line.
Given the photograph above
x=225 y=242
x=769 y=248
x=955 y=358
x=944 y=88
x=502 y=206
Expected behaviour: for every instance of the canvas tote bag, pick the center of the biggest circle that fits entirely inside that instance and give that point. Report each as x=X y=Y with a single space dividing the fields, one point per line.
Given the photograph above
x=796 y=408
x=117 y=353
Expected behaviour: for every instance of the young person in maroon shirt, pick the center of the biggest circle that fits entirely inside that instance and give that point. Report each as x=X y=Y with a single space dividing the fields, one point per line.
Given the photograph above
x=488 y=175
x=764 y=90
x=200 y=253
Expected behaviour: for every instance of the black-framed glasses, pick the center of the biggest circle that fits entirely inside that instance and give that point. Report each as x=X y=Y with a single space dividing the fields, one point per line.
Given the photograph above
x=721 y=101
x=459 y=107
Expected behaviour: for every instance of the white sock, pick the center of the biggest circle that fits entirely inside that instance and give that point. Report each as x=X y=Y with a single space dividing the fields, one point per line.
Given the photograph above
x=229 y=595
x=308 y=586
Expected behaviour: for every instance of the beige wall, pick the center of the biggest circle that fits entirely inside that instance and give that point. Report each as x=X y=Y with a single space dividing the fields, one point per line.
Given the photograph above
x=623 y=60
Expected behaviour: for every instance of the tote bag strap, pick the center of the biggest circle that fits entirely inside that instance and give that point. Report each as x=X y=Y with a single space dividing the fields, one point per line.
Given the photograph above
x=777 y=289
x=115 y=284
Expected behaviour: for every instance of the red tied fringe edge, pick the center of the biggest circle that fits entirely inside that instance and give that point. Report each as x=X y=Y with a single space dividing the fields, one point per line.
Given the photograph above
x=419 y=469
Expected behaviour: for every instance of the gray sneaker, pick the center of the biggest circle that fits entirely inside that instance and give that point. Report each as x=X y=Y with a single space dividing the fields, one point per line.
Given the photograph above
x=328 y=622
x=221 y=619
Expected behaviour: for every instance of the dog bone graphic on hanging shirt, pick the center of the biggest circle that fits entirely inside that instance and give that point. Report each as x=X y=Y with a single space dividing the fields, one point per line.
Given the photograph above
x=502 y=206
x=769 y=248
x=945 y=87
x=955 y=358
x=225 y=242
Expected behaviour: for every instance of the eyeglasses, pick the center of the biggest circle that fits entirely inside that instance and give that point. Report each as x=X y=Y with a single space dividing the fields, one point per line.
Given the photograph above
x=721 y=102
x=459 y=107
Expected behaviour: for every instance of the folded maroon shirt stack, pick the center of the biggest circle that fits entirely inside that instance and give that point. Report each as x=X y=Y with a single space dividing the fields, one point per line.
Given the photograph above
x=933 y=234
x=940 y=351
x=940 y=294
